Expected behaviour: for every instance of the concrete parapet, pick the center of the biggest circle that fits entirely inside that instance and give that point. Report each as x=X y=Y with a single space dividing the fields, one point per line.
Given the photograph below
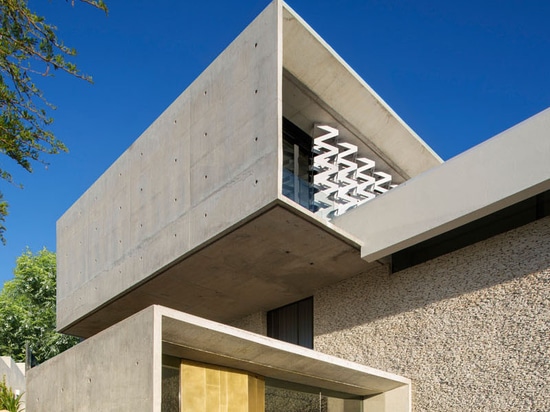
x=118 y=369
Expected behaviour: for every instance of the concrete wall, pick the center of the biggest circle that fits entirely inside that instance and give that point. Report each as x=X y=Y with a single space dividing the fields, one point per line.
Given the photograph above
x=118 y=369
x=470 y=329
x=13 y=373
x=209 y=161
x=255 y=322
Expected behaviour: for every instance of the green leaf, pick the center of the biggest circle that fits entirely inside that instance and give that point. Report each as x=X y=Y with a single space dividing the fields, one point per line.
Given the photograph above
x=29 y=45
x=27 y=309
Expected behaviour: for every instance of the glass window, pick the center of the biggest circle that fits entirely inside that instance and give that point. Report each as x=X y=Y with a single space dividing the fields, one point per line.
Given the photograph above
x=297 y=160
x=292 y=323
x=170 y=384
x=287 y=397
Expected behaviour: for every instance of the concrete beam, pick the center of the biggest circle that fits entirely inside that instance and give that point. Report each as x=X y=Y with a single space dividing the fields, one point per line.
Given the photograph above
x=504 y=170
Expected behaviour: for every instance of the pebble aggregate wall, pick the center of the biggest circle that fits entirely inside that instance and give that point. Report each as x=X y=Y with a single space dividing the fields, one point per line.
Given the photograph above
x=470 y=328
x=255 y=322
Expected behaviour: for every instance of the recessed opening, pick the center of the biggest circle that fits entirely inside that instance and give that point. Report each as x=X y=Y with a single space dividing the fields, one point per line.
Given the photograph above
x=328 y=165
x=292 y=323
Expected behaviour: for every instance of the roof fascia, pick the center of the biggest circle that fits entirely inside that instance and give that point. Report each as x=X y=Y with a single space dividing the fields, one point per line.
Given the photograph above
x=498 y=173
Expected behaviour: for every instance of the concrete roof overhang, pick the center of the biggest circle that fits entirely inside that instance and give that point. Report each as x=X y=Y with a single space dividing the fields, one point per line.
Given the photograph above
x=340 y=95
x=280 y=255
x=190 y=337
x=498 y=173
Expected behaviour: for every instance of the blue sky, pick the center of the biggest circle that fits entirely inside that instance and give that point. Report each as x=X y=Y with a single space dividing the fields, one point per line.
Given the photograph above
x=456 y=72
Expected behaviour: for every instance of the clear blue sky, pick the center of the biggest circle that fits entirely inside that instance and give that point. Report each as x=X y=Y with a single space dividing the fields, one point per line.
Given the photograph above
x=458 y=72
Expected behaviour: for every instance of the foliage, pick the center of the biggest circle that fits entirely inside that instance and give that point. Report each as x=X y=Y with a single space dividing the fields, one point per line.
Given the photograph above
x=8 y=400
x=27 y=309
x=3 y=214
x=28 y=47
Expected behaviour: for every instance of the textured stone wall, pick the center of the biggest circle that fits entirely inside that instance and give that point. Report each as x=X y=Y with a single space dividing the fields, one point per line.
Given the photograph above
x=471 y=328
x=255 y=322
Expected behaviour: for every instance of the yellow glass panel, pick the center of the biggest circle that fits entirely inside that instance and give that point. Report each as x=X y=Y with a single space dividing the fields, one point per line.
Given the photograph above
x=217 y=389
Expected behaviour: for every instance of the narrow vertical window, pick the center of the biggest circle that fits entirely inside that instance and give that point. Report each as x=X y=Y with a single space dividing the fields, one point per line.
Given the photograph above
x=297 y=160
x=292 y=323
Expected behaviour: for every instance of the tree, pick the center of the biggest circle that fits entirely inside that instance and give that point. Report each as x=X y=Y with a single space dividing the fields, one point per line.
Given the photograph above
x=28 y=47
x=27 y=309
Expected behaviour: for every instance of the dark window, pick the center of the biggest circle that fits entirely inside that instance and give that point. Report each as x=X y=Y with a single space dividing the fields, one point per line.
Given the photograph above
x=292 y=323
x=498 y=222
x=297 y=160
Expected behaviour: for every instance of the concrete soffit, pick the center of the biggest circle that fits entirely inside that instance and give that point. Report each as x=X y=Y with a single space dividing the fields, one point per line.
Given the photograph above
x=190 y=337
x=341 y=92
x=499 y=172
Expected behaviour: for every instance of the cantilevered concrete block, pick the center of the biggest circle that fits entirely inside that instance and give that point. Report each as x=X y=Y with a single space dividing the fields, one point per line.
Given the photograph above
x=193 y=214
x=207 y=163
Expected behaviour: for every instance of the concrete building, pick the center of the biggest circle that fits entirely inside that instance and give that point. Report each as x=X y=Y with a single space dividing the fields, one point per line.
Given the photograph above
x=280 y=239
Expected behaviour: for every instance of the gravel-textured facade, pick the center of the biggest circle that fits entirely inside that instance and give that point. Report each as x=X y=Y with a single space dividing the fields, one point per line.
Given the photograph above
x=470 y=328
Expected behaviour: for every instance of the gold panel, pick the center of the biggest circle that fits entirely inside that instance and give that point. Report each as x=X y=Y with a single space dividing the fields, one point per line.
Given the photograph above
x=209 y=388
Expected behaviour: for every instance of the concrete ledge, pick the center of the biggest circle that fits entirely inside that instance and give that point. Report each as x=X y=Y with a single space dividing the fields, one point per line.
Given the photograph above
x=502 y=171
x=191 y=337
x=118 y=369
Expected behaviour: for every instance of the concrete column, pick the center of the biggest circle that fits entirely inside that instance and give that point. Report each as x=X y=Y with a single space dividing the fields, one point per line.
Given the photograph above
x=396 y=400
